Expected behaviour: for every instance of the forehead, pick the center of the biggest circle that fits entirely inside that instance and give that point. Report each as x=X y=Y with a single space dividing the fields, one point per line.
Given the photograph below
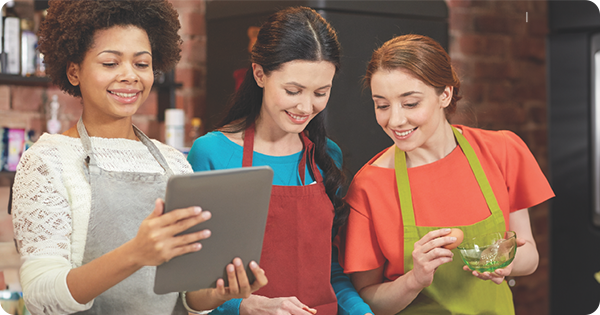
x=305 y=70
x=396 y=79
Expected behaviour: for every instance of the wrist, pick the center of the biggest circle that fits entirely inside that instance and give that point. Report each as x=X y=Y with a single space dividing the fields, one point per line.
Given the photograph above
x=249 y=304
x=204 y=299
x=129 y=255
x=412 y=283
x=189 y=309
x=216 y=298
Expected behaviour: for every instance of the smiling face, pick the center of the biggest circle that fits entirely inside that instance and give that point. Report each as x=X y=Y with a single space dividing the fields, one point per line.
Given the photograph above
x=115 y=76
x=294 y=94
x=409 y=111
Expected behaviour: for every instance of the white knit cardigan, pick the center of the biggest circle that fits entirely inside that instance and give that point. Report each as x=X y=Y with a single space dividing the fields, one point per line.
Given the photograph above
x=51 y=209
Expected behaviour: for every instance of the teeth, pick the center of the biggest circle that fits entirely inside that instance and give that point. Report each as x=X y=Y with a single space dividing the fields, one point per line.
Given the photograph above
x=402 y=134
x=123 y=94
x=297 y=117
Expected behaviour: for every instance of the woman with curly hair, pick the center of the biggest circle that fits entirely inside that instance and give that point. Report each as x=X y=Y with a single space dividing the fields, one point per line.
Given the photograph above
x=83 y=200
x=276 y=119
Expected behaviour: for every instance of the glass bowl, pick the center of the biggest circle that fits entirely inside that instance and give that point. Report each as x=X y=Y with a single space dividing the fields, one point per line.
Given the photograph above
x=489 y=252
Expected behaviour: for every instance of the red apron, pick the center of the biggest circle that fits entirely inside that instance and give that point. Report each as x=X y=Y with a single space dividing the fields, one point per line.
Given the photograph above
x=296 y=252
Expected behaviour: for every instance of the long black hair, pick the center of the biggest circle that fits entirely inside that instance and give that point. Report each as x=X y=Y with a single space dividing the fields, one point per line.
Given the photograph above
x=297 y=33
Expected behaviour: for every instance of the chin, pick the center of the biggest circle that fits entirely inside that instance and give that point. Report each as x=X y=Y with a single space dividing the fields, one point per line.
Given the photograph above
x=406 y=147
x=296 y=129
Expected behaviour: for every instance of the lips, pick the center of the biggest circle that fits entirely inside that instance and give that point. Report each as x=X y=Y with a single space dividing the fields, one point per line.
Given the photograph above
x=405 y=133
x=125 y=97
x=297 y=118
x=123 y=94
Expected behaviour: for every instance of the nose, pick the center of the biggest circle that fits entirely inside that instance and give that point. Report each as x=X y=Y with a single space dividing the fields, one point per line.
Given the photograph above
x=305 y=105
x=128 y=74
x=398 y=117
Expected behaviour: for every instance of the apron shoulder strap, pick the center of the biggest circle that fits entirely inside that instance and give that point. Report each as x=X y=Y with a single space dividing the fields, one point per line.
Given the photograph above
x=307 y=152
x=87 y=143
x=154 y=150
x=477 y=169
x=309 y=155
x=248 y=146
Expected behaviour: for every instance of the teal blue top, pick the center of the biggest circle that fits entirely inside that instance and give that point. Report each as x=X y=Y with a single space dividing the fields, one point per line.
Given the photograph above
x=215 y=151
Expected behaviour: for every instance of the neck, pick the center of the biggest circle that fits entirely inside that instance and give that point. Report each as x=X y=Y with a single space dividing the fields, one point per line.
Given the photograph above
x=436 y=148
x=119 y=128
x=271 y=140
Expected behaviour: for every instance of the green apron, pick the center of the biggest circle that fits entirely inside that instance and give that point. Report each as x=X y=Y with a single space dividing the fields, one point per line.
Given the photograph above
x=453 y=291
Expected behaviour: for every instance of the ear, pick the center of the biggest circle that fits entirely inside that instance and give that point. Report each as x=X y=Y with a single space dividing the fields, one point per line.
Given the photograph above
x=259 y=74
x=446 y=96
x=73 y=73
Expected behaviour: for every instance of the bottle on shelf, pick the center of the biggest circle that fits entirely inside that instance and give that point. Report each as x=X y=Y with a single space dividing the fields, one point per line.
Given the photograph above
x=174 y=127
x=39 y=15
x=40 y=67
x=12 y=40
x=53 y=125
x=196 y=130
x=28 y=48
x=3 y=147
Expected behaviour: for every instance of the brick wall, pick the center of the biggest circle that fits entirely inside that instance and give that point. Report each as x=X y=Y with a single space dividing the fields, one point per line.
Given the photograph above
x=499 y=56
x=501 y=60
x=25 y=106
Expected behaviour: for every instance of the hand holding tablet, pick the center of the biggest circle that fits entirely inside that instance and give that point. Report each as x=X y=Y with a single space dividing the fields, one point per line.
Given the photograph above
x=238 y=200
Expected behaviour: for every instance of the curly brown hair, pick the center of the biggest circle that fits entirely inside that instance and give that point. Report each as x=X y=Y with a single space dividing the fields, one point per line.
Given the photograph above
x=68 y=31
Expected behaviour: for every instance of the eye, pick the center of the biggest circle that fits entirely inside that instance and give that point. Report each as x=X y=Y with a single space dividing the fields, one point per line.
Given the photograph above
x=292 y=93
x=321 y=94
x=411 y=105
x=377 y=106
x=109 y=64
x=142 y=65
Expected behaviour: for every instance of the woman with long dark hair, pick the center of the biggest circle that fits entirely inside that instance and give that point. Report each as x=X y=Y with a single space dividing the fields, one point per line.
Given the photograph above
x=275 y=119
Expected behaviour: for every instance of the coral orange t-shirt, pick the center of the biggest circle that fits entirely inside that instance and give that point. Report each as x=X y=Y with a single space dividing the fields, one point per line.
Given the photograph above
x=445 y=193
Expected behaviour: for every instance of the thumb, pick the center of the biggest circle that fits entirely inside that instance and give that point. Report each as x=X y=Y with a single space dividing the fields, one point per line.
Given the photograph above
x=159 y=208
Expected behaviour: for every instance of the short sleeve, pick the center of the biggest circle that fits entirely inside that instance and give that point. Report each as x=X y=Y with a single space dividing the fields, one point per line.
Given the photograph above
x=358 y=244
x=526 y=184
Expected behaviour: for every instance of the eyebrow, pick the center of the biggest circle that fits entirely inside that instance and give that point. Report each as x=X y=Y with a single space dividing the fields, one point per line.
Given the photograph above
x=118 y=53
x=303 y=87
x=405 y=94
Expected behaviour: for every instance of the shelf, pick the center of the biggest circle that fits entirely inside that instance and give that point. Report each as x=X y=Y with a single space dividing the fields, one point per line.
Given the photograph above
x=6 y=178
x=12 y=79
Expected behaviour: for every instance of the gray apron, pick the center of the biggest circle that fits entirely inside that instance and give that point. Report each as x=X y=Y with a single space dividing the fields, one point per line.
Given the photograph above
x=120 y=202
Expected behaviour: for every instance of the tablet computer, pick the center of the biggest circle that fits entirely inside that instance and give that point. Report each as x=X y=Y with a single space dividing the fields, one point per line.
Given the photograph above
x=238 y=200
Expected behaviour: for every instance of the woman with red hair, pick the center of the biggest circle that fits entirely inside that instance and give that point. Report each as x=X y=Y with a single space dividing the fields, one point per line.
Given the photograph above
x=435 y=176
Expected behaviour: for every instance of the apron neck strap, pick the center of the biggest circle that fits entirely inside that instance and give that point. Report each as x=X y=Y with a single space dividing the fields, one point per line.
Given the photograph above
x=404 y=193
x=477 y=169
x=309 y=155
x=87 y=143
x=90 y=158
x=307 y=151
x=153 y=149
x=248 y=146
